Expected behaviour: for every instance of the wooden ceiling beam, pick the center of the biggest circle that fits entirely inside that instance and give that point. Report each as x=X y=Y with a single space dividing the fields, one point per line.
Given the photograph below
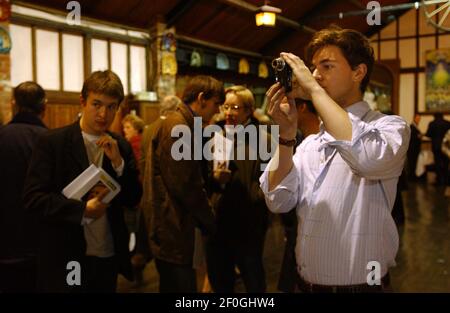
x=240 y=4
x=178 y=11
x=289 y=32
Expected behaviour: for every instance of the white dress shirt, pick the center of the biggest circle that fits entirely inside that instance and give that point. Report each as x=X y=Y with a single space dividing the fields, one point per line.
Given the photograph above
x=97 y=232
x=343 y=192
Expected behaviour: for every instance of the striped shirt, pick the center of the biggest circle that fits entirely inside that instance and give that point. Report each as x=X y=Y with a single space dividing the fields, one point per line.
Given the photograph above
x=343 y=192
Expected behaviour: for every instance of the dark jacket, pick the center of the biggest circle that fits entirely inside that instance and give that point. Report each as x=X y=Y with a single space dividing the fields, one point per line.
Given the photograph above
x=239 y=206
x=59 y=158
x=415 y=141
x=436 y=131
x=177 y=201
x=17 y=140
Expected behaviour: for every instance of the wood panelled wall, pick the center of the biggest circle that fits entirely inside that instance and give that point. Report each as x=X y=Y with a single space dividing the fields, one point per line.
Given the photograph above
x=59 y=115
x=62 y=108
x=149 y=112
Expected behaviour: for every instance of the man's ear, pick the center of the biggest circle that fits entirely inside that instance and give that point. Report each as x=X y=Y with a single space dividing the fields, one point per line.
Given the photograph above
x=82 y=101
x=360 y=72
x=201 y=100
x=200 y=97
x=44 y=108
x=302 y=107
x=14 y=107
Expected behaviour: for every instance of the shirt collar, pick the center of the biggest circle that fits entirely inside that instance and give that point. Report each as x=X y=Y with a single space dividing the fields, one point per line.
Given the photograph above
x=190 y=109
x=358 y=109
x=27 y=118
x=89 y=137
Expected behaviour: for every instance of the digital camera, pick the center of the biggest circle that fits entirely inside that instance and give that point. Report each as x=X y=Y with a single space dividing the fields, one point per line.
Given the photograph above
x=283 y=73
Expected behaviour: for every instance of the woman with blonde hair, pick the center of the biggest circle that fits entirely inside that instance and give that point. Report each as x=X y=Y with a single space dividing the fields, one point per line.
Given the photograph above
x=241 y=212
x=133 y=127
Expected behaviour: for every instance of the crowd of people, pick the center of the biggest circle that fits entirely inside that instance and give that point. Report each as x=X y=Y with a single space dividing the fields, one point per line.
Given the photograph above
x=333 y=177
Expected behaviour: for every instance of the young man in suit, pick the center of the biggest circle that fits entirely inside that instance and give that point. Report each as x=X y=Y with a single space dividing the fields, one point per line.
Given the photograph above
x=91 y=233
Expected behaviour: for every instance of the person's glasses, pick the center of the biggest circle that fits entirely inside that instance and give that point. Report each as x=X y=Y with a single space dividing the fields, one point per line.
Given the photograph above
x=233 y=107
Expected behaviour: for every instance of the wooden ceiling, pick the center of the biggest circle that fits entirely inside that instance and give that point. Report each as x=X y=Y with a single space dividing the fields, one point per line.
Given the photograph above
x=226 y=23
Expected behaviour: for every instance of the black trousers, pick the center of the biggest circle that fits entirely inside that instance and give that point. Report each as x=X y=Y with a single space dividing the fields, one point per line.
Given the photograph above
x=441 y=162
x=18 y=275
x=222 y=260
x=175 y=277
x=99 y=275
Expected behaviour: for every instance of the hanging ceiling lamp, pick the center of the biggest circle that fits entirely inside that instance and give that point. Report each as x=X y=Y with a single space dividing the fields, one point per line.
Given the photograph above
x=266 y=15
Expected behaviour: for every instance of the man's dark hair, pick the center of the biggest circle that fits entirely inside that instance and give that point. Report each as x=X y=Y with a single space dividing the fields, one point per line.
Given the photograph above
x=103 y=82
x=438 y=116
x=210 y=87
x=29 y=97
x=354 y=46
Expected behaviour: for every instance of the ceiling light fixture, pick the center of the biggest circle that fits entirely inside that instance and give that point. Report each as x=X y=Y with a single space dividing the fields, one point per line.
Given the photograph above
x=266 y=15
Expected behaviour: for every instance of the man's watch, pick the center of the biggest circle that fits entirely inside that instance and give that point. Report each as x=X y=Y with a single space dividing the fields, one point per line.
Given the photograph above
x=285 y=142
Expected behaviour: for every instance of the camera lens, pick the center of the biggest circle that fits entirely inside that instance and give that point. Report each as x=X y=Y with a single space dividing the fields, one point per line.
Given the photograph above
x=278 y=64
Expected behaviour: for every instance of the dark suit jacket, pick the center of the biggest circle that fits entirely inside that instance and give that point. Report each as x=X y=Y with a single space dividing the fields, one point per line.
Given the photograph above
x=240 y=210
x=436 y=131
x=177 y=201
x=415 y=141
x=17 y=140
x=60 y=157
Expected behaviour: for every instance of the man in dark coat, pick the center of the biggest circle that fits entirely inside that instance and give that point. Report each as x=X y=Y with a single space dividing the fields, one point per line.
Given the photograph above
x=436 y=131
x=414 y=147
x=18 y=245
x=177 y=203
x=83 y=245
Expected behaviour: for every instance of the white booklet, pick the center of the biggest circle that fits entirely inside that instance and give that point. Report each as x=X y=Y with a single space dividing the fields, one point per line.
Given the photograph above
x=90 y=183
x=223 y=150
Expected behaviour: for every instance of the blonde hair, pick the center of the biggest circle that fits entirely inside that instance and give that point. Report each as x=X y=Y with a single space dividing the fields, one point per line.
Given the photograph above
x=169 y=103
x=135 y=121
x=244 y=94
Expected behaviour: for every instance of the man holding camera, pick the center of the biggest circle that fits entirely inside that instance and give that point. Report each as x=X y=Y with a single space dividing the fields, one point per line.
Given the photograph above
x=342 y=181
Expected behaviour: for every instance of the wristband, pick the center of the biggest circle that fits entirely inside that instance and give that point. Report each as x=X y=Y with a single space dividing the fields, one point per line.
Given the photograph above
x=289 y=143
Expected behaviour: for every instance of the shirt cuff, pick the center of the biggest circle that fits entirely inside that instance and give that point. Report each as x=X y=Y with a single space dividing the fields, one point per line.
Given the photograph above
x=290 y=182
x=119 y=169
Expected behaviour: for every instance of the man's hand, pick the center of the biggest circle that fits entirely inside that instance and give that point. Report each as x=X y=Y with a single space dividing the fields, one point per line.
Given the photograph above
x=283 y=111
x=222 y=176
x=303 y=82
x=95 y=208
x=111 y=148
x=335 y=119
